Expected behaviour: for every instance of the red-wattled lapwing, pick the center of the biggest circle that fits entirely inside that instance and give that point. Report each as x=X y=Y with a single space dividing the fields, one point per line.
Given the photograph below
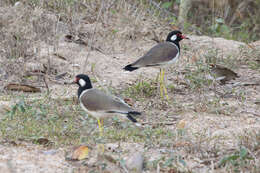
x=160 y=55
x=100 y=105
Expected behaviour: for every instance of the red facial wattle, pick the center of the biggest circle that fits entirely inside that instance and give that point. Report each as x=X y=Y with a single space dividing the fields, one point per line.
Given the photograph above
x=76 y=80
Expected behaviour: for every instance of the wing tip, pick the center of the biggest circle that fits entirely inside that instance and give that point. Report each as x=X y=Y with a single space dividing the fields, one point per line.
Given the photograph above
x=134 y=113
x=130 y=68
x=131 y=118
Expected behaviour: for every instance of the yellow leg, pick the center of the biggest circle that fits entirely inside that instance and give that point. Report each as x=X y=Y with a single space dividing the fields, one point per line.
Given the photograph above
x=101 y=148
x=163 y=89
x=161 y=86
x=101 y=130
x=100 y=126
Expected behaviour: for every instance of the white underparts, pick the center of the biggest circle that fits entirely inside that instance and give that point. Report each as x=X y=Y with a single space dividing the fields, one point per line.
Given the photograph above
x=174 y=59
x=81 y=104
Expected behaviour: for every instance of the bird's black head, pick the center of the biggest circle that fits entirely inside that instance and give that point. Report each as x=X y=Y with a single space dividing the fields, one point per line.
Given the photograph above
x=175 y=37
x=84 y=83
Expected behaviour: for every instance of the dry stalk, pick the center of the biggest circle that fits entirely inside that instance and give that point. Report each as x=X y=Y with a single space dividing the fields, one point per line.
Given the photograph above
x=93 y=35
x=46 y=84
x=158 y=6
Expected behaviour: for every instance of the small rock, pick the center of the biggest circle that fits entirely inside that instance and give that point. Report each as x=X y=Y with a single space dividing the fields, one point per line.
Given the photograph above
x=17 y=3
x=135 y=163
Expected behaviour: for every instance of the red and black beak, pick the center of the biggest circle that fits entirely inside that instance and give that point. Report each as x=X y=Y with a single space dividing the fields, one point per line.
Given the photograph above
x=76 y=80
x=184 y=37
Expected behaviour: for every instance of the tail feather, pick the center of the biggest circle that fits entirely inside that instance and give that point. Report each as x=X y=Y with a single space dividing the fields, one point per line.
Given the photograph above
x=131 y=118
x=130 y=68
x=134 y=113
x=129 y=115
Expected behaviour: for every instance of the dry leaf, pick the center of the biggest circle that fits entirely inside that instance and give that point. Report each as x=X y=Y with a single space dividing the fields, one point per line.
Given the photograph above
x=22 y=87
x=175 y=28
x=181 y=124
x=42 y=141
x=251 y=46
x=80 y=153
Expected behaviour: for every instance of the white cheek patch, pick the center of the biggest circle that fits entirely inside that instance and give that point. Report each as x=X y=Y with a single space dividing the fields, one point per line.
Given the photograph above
x=82 y=82
x=174 y=37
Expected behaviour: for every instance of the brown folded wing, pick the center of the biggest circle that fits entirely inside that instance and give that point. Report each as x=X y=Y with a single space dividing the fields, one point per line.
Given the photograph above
x=160 y=54
x=95 y=100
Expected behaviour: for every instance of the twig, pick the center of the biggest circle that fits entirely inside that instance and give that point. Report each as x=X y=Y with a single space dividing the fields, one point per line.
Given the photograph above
x=59 y=56
x=71 y=38
x=246 y=84
x=161 y=9
x=253 y=113
x=93 y=35
x=46 y=84
x=97 y=49
x=61 y=83
x=59 y=76
x=159 y=123
x=49 y=63
x=83 y=4
x=253 y=155
x=45 y=76
x=111 y=4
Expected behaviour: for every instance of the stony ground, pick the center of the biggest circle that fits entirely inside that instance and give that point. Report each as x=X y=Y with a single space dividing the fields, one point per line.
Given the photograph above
x=203 y=123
